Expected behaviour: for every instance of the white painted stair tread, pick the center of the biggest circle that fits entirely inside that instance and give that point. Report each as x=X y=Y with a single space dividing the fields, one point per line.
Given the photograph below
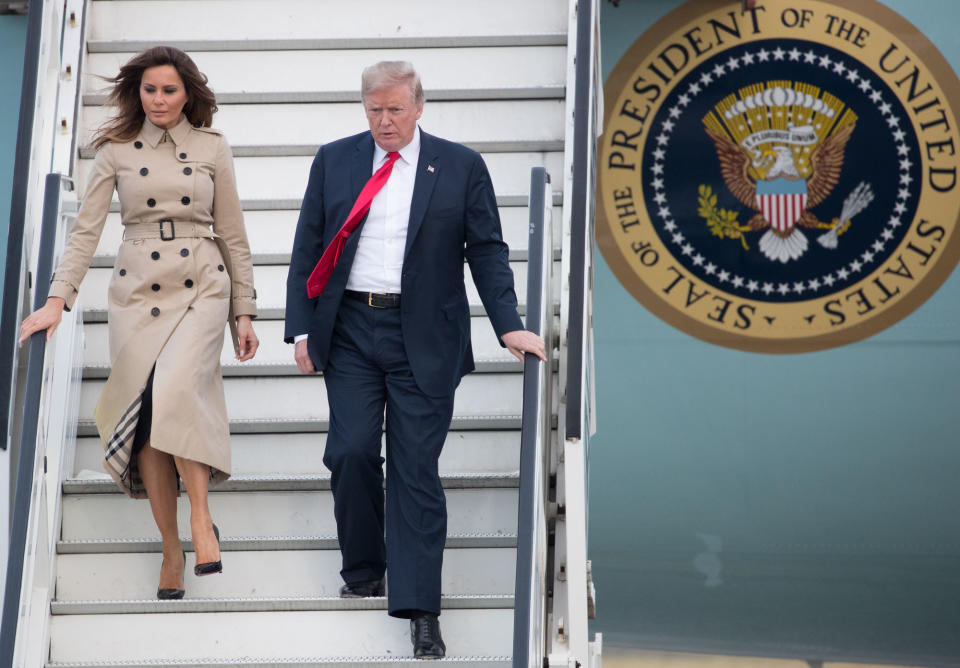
x=286 y=177
x=340 y=70
x=476 y=122
x=273 y=350
x=278 y=635
x=271 y=284
x=278 y=454
x=111 y=516
x=268 y=573
x=304 y=397
x=271 y=233
x=154 y=21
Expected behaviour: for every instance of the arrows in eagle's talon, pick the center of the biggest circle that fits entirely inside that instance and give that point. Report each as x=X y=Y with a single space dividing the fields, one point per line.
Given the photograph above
x=856 y=201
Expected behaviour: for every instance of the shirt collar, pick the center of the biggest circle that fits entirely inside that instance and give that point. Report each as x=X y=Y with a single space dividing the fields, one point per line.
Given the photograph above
x=410 y=153
x=154 y=133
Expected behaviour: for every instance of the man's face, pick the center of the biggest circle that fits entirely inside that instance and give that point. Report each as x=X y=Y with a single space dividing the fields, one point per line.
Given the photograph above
x=392 y=115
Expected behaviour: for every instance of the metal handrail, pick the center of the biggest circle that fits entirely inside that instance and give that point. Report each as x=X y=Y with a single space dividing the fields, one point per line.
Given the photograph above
x=529 y=617
x=586 y=98
x=28 y=454
x=12 y=275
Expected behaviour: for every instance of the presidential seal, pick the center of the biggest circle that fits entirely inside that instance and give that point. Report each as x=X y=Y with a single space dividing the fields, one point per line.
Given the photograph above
x=781 y=179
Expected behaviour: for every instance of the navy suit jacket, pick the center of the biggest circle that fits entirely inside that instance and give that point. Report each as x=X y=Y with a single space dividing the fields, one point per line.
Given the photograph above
x=453 y=217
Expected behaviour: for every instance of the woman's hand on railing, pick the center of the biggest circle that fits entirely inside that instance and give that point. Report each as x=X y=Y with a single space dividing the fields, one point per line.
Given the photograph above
x=522 y=341
x=46 y=317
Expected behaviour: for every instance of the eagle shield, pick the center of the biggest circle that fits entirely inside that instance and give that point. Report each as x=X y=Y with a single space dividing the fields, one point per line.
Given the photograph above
x=782 y=201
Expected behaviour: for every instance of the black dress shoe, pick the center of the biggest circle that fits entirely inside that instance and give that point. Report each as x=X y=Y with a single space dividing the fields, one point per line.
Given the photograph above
x=210 y=567
x=425 y=635
x=172 y=594
x=363 y=589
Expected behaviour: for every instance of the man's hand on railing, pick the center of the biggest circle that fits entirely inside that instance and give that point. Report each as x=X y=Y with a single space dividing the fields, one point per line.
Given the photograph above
x=522 y=341
x=46 y=317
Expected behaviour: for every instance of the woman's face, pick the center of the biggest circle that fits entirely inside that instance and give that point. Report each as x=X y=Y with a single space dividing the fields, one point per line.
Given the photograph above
x=162 y=95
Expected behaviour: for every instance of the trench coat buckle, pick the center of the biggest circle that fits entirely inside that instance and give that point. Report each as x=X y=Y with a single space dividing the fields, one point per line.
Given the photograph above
x=173 y=230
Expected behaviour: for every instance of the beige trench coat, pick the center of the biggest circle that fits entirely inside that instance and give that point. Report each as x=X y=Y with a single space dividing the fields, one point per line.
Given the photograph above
x=176 y=282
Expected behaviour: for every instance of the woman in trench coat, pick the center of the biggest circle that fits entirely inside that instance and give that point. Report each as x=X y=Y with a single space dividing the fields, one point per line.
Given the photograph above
x=182 y=272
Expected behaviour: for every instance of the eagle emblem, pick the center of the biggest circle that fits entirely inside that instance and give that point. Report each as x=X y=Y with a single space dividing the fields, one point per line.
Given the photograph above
x=781 y=147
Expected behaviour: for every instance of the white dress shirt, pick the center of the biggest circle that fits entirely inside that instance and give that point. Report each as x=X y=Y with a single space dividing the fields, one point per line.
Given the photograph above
x=383 y=237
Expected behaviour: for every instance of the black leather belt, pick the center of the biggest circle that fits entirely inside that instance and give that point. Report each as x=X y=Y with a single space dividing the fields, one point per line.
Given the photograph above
x=375 y=299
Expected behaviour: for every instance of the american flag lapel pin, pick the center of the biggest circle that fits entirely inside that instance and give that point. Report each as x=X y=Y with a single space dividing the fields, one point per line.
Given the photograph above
x=430 y=169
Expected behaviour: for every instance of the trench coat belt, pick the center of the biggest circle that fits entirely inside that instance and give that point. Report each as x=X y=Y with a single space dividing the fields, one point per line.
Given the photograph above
x=167 y=230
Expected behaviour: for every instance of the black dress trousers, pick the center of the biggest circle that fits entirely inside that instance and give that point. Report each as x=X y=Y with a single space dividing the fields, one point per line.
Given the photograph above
x=368 y=375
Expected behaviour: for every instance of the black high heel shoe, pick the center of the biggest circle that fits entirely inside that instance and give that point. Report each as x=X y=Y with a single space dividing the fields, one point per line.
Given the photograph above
x=171 y=594
x=210 y=567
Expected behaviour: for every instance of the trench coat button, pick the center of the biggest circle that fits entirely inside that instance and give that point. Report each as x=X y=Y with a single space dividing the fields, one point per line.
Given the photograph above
x=144 y=171
x=155 y=255
x=188 y=283
x=154 y=311
x=123 y=272
x=187 y=171
x=151 y=202
x=219 y=267
x=155 y=287
x=138 y=144
x=184 y=252
x=183 y=156
x=184 y=200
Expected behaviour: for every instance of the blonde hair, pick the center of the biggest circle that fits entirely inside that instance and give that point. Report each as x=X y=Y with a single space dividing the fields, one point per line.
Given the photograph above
x=389 y=73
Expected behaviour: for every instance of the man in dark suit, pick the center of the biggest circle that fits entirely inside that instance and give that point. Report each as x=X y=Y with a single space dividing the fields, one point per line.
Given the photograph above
x=391 y=332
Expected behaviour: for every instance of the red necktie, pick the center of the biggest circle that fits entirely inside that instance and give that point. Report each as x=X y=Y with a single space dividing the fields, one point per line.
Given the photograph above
x=324 y=269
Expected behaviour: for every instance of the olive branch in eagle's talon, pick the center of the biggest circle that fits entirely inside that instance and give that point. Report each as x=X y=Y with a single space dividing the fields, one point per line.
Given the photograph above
x=722 y=222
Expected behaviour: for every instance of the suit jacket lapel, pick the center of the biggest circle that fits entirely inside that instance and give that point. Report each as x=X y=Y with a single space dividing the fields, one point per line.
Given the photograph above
x=361 y=168
x=426 y=178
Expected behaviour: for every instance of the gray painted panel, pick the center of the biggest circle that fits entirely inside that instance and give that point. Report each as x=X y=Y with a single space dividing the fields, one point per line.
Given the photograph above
x=13 y=36
x=798 y=505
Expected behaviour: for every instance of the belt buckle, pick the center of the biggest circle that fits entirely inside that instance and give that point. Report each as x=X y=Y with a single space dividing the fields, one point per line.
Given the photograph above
x=173 y=230
x=370 y=300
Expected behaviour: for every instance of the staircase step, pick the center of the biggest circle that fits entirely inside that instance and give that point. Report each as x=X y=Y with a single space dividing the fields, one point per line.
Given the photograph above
x=274 y=357
x=271 y=285
x=248 y=74
x=305 y=397
x=531 y=124
x=271 y=235
x=263 y=574
x=518 y=93
x=233 y=369
x=267 y=543
x=294 y=203
x=262 y=604
x=279 y=454
x=364 y=662
x=304 y=482
x=285 y=177
x=332 y=43
x=496 y=422
x=149 y=22
x=360 y=637
x=109 y=258
x=92 y=516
